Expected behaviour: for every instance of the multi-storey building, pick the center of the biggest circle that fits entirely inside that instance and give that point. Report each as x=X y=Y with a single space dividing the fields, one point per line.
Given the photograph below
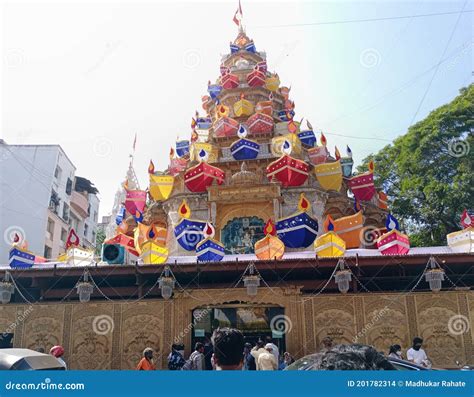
x=40 y=200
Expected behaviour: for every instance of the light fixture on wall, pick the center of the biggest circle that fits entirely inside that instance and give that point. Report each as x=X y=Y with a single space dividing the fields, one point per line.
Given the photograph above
x=251 y=280
x=84 y=288
x=343 y=276
x=435 y=275
x=166 y=283
x=6 y=288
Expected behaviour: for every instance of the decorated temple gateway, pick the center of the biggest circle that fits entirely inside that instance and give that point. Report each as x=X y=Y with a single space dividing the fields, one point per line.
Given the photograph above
x=248 y=161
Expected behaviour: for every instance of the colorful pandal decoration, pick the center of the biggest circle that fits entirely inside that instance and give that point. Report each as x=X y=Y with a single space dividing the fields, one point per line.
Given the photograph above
x=307 y=137
x=225 y=126
x=279 y=141
x=256 y=78
x=269 y=247
x=272 y=82
x=362 y=186
x=198 y=178
x=202 y=123
x=182 y=148
x=463 y=240
x=260 y=123
x=206 y=102
x=298 y=230
x=153 y=254
x=383 y=200
x=329 y=244
x=135 y=200
x=152 y=232
x=209 y=249
x=222 y=111
x=348 y=228
x=244 y=149
x=393 y=242
x=265 y=107
x=467 y=219
x=329 y=175
x=243 y=107
x=177 y=165
x=319 y=154
x=287 y=170
x=76 y=255
x=161 y=186
x=212 y=152
x=347 y=163
x=126 y=241
x=214 y=90
x=229 y=80
x=19 y=256
x=188 y=232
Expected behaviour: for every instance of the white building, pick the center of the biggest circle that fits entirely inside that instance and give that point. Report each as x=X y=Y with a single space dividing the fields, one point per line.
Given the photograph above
x=38 y=200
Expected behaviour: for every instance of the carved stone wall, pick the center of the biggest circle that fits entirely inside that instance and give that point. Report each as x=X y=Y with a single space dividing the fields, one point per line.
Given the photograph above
x=112 y=335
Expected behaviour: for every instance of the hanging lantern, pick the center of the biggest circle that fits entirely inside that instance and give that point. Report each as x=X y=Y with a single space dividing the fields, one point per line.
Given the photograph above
x=6 y=289
x=343 y=276
x=85 y=289
x=435 y=275
x=252 y=281
x=166 y=283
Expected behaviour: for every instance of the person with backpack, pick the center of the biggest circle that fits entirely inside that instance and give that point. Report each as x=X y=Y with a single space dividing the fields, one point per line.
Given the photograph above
x=176 y=360
x=195 y=362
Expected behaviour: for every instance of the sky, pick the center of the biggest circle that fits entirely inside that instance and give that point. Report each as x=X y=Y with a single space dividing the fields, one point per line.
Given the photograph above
x=88 y=76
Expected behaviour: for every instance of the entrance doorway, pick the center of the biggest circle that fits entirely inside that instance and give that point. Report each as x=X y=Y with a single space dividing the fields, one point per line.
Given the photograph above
x=255 y=322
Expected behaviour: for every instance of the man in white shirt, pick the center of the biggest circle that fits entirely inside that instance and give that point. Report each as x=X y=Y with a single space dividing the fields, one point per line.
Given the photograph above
x=416 y=354
x=275 y=351
x=266 y=361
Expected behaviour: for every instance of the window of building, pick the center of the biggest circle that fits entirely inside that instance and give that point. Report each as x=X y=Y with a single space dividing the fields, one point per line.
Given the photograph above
x=47 y=252
x=54 y=202
x=57 y=172
x=93 y=238
x=63 y=234
x=50 y=228
x=95 y=216
x=86 y=228
x=66 y=212
x=69 y=186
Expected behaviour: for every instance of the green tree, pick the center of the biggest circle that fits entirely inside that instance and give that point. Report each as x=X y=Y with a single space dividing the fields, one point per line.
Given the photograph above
x=99 y=240
x=428 y=173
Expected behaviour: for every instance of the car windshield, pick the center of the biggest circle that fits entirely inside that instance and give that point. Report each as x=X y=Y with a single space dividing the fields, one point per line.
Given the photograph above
x=305 y=363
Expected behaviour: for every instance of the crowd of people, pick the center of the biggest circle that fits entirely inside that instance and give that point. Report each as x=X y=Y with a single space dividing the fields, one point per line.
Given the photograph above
x=227 y=350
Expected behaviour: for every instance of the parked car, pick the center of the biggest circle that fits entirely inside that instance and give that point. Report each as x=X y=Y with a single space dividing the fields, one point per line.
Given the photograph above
x=309 y=363
x=26 y=359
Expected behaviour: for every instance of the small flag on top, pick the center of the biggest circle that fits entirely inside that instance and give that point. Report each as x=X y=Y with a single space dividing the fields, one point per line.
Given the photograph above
x=238 y=15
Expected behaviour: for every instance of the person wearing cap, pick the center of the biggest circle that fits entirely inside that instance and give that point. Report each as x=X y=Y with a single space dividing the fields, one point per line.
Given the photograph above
x=266 y=361
x=146 y=363
x=58 y=352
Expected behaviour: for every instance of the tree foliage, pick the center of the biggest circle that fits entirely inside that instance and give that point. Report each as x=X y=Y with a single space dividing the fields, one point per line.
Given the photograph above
x=428 y=173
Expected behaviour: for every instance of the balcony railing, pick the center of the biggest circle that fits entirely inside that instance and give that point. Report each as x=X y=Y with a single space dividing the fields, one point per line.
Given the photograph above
x=79 y=203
